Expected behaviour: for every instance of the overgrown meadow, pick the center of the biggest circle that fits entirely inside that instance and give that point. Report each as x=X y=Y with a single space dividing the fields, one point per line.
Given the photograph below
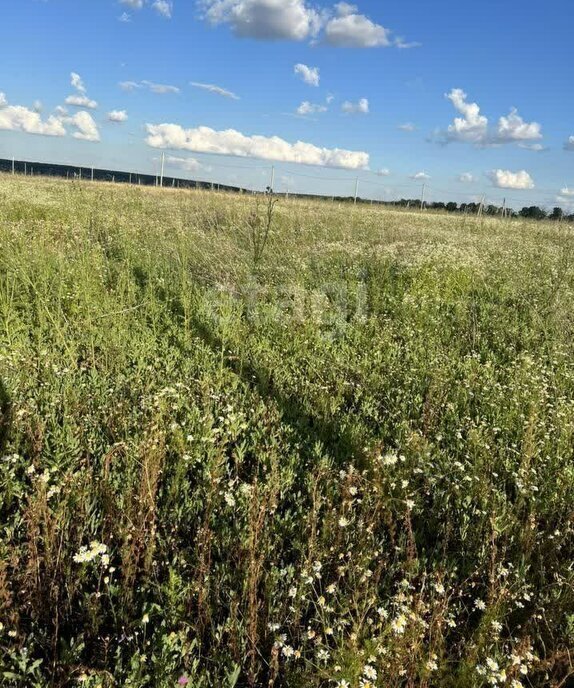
x=343 y=457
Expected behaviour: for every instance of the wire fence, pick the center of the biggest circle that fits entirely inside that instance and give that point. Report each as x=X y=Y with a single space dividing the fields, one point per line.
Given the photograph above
x=287 y=179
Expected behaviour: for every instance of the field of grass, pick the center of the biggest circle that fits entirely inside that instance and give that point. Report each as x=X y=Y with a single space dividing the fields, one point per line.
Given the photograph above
x=348 y=463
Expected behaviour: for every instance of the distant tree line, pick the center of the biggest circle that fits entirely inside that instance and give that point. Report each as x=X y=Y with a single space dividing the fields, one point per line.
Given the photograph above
x=532 y=212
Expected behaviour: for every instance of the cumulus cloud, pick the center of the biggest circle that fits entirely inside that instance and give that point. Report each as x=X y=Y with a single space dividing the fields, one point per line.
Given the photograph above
x=407 y=126
x=310 y=75
x=352 y=30
x=265 y=19
x=124 y=17
x=215 y=89
x=117 y=116
x=186 y=164
x=77 y=83
x=232 y=142
x=466 y=178
x=569 y=145
x=80 y=98
x=360 y=108
x=86 y=128
x=514 y=128
x=473 y=127
x=566 y=191
x=133 y=4
x=307 y=108
x=298 y=20
x=505 y=179
x=81 y=101
x=420 y=177
x=20 y=118
x=384 y=172
x=163 y=7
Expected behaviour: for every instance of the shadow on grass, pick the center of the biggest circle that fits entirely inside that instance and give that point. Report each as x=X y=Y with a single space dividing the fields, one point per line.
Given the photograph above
x=5 y=408
x=310 y=429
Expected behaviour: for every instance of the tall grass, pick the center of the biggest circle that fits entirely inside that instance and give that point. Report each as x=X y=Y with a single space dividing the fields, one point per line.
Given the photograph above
x=349 y=462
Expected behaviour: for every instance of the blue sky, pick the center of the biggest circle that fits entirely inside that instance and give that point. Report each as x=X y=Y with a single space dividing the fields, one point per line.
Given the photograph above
x=502 y=68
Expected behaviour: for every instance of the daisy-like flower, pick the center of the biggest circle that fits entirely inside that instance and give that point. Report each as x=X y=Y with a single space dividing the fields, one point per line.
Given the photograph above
x=399 y=624
x=370 y=672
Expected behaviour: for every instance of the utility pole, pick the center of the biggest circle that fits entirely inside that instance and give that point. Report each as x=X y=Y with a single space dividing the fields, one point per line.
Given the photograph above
x=272 y=177
x=504 y=208
x=13 y=165
x=481 y=206
x=356 y=189
x=162 y=168
x=92 y=177
x=423 y=197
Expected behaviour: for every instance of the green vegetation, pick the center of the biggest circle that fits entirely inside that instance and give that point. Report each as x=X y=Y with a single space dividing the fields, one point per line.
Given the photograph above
x=343 y=459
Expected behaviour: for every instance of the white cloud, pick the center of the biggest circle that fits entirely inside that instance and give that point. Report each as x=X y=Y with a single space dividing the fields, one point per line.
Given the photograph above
x=533 y=146
x=232 y=142
x=298 y=20
x=404 y=45
x=504 y=179
x=360 y=108
x=385 y=172
x=466 y=178
x=19 y=118
x=310 y=75
x=159 y=88
x=566 y=191
x=117 y=116
x=420 y=177
x=329 y=99
x=352 y=30
x=215 y=89
x=307 y=108
x=569 y=145
x=163 y=7
x=514 y=128
x=407 y=126
x=129 y=85
x=134 y=4
x=77 y=83
x=187 y=164
x=81 y=101
x=473 y=127
x=87 y=129
x=343 y=9
x=265 y=19
x=124 y=17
